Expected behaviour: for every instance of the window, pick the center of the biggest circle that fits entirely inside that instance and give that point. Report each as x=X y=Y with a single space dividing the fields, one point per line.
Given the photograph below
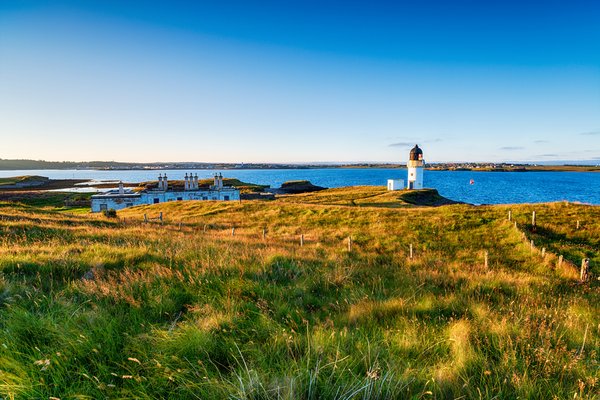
x=179 y=198
x=103 y=207
x=128 y=204
x=156 y=201
x=225 y=198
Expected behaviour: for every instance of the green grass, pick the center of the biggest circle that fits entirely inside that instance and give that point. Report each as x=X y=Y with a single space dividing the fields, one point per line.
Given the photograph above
x=199 y=313
x=49 y=200
x=20 y=179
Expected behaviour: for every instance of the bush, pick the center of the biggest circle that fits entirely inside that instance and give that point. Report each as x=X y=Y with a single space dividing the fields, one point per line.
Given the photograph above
x=110 y=213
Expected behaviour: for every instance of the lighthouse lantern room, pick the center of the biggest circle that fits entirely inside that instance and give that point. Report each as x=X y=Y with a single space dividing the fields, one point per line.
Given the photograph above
x=415 y=168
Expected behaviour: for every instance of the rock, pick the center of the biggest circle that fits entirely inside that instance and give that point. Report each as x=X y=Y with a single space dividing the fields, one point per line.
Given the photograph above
x=425 y=197
x=295 y=187
x=89 y=276
x=95 y=272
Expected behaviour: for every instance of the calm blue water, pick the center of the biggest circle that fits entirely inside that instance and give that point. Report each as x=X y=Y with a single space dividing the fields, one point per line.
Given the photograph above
x=489 y=187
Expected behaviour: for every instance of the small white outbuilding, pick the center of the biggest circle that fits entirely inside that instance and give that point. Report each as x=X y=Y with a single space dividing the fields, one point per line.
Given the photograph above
x=395 y=184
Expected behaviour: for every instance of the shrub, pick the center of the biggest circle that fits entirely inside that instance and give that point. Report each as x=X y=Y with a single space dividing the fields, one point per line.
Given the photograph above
x=111 y=213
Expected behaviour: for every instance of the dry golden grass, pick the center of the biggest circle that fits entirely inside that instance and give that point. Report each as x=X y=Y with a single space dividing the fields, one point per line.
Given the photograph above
x=198 y=312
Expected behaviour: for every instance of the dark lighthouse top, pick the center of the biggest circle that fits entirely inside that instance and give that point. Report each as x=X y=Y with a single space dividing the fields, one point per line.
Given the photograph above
x=416 y=154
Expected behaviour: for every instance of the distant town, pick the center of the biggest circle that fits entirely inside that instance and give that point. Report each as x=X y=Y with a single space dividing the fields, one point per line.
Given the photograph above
x=447 y=166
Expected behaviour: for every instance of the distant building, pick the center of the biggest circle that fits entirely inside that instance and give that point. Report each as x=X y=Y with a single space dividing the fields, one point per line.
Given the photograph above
x=415 y=166
x=122 y=198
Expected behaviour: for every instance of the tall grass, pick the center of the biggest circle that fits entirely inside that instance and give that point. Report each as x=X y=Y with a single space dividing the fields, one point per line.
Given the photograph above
x=97 y=308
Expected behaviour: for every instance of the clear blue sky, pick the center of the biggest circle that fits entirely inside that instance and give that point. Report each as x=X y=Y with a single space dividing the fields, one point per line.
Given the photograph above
x=297 y=81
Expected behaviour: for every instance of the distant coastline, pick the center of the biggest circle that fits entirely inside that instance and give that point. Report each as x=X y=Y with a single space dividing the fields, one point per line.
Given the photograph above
x=13 y=165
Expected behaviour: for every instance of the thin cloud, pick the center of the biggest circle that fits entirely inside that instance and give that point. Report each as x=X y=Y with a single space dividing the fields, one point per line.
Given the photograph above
x=512 y=148
x=407 y=141
x=591 y=133
x=541 y=141
x=401 y=144
x=547 y=155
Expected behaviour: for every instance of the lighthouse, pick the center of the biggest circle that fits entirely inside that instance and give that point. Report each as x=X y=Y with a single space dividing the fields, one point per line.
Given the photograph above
x=415 y=168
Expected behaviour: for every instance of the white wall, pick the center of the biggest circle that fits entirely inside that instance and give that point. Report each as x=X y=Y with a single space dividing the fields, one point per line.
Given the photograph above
x=415 y=177
x=395 y=184
x=117 y=203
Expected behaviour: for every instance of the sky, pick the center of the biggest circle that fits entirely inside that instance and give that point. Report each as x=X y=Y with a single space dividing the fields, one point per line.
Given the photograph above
x=299 y=81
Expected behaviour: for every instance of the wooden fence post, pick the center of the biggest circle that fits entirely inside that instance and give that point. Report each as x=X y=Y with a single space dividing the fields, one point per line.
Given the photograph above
x=349 y=243
x=509 y=215
x=160 y=217
x=264 y=233
x=532 y=245
x=485 y=259
x=533 y=221
x=233 y=231
x=301 y=240
x=584 y=274
x=578 y=225
x=543 y=253
x=204 y=229
x=145 y=218
x=180 y=226
x=410 y=251
x=560 y=261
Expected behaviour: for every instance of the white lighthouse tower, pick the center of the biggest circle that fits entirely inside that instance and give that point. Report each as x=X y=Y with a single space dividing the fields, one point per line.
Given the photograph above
x=415 y=168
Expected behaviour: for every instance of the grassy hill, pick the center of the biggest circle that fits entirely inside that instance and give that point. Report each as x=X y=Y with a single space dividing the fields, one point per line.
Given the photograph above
x=92 y=307
x=26 y=180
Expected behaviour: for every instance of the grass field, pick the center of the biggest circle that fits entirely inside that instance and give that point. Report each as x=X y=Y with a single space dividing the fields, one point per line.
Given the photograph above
x=92 y=307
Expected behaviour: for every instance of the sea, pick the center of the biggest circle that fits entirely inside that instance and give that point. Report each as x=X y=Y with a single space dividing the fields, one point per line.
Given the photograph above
x=466 y=186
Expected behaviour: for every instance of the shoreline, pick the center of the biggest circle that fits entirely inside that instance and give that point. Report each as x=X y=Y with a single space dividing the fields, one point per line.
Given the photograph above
x=520 y=168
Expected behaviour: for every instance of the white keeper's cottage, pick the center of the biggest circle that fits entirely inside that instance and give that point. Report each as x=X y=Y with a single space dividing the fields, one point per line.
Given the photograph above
x=120 y=198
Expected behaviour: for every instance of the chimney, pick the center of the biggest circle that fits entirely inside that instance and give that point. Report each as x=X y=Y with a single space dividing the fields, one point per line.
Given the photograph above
x=160 y=183
x=216 y=183
x=196 y=185
x=220 y=181
x=165 y=184
x=121 y=188
x=186 y=183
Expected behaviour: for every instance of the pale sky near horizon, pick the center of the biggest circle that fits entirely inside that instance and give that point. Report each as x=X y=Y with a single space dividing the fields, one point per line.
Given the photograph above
x=299 y=81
